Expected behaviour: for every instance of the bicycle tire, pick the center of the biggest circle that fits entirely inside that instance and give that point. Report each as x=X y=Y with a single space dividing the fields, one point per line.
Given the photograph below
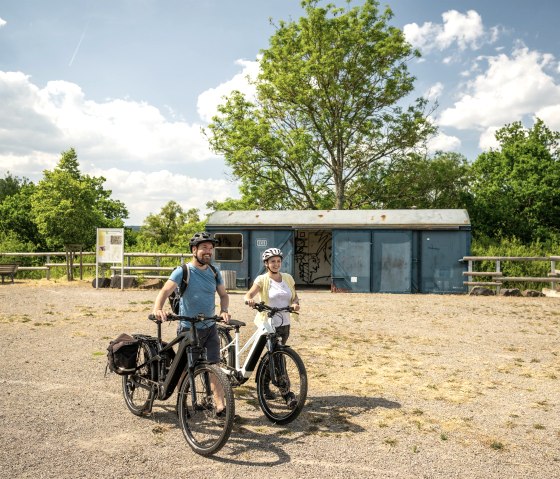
x=205 y=432
x=274 y=399
x=138 y=389
x=227 y=356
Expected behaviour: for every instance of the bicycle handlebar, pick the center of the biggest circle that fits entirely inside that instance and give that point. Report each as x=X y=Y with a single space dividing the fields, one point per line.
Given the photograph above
x=175 y=317
x=272 y=311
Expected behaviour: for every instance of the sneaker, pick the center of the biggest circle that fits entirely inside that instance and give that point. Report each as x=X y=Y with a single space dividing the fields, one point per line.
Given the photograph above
x=291 y=400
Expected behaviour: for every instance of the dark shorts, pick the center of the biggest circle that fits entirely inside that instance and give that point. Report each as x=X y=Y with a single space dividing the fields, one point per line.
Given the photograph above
x=210 y=340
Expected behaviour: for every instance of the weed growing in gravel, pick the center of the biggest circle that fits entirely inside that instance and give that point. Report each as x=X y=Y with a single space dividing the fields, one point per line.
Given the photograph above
x=497 y=445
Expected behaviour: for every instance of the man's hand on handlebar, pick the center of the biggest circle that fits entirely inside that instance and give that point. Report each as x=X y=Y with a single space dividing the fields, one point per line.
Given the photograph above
x=160 y=314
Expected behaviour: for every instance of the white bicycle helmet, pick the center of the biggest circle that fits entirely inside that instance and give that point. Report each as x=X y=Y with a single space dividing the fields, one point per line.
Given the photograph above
x=270 y=252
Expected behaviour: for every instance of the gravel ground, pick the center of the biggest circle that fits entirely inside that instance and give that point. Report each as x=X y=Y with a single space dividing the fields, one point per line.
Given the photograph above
x=400 y=386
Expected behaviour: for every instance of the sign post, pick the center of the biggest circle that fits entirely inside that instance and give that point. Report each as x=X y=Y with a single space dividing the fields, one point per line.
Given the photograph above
x=109 y=249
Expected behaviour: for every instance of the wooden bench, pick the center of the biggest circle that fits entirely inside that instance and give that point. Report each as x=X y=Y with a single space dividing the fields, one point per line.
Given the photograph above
x=8 y=270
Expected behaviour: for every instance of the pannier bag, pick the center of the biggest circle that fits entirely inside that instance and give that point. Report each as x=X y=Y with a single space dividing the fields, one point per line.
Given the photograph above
x=122 y=353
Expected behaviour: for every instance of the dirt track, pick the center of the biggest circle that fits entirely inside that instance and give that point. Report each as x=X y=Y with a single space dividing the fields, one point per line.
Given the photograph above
x=401 y=386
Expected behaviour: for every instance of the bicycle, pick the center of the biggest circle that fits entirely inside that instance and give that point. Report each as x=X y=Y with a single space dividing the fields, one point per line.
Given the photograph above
x=281 y=376
x=159 y=371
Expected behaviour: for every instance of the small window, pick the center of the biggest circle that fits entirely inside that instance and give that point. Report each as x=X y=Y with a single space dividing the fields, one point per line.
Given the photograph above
x=229 y=247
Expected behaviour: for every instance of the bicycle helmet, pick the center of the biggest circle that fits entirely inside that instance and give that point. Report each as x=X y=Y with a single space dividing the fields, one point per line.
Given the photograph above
x=270 y=252
x=201 y=238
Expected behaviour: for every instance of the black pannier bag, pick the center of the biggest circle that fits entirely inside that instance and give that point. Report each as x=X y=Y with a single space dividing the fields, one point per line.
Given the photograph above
x=122 y=353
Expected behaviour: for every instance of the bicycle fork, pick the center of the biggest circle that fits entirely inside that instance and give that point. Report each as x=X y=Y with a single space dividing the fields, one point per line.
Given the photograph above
x=277 y=368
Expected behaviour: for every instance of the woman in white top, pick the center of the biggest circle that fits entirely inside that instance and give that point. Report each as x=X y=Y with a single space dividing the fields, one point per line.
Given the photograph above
x=277 y=290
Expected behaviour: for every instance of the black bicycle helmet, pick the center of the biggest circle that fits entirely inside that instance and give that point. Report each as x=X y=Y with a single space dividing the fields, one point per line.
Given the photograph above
x=202 y=237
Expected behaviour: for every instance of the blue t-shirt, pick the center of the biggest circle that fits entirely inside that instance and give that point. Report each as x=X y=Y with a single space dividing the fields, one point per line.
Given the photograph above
x=200 y=295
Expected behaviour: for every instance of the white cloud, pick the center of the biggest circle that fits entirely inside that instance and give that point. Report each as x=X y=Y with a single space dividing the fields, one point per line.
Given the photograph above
x=488 y=138
x=551 y=116
x=209 y=100
x=510 y=88
x=146 y=193
x=142 y=154
x=464 y=30
x=443 y=142
x=2 y=22
x=58 y=116
x=434 y=92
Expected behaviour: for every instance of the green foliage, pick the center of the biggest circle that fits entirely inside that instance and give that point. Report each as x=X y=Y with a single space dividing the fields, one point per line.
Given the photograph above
x=67 y=206
x=11 y=185
x=516 y=188
x=513 y=247
x=326 y=110
x=16 y=216
x=172 y=226
x=414 y=180
x=11 y=242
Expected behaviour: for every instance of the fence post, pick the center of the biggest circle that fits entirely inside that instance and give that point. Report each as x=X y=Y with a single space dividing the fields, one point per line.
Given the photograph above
x=48 y=267
x=469 y=270
x=498 y=266
x=552 y=273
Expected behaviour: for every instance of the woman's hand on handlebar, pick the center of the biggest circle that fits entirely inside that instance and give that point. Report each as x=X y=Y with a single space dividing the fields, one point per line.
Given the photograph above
x=250 y=302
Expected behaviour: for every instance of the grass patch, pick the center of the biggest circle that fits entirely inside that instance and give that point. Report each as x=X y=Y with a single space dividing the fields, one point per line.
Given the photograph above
x=497 y=445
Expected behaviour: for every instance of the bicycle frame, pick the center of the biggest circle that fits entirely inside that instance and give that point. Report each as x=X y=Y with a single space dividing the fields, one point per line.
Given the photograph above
x=263 y=336
x=184 y=359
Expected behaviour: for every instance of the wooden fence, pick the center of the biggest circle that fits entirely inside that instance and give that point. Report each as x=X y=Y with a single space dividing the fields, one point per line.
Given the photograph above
x=48 y=261
x=496 y=277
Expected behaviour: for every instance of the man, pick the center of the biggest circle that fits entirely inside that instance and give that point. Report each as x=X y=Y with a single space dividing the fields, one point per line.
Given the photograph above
x=199 y=297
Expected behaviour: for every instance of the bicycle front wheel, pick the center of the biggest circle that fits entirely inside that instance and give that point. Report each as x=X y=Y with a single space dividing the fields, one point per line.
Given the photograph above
x=138 y=390
x=206 y=409
x=282 y=395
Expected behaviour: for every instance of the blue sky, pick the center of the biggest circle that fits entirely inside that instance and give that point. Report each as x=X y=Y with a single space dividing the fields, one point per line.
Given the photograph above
x=130 y=83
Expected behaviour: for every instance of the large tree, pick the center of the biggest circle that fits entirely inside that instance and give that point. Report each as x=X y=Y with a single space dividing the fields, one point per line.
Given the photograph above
x=68 y=206
x=516 y=187
x=329 y=106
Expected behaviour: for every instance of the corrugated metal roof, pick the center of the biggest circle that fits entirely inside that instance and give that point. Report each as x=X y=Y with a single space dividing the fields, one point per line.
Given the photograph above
x=322 y=219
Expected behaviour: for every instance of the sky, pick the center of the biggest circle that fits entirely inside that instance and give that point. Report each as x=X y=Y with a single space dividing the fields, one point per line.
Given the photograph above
x=131 y=84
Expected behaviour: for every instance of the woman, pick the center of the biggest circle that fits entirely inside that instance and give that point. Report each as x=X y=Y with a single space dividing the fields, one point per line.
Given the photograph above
x=277 y=290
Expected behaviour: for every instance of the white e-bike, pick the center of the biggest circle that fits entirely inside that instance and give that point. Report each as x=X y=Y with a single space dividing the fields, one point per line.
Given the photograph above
x=281 y=376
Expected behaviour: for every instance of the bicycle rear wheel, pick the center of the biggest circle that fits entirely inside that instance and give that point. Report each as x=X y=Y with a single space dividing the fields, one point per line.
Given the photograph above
x=282 y=402
x=206 y=430
x=138 y=391
x=227 y=354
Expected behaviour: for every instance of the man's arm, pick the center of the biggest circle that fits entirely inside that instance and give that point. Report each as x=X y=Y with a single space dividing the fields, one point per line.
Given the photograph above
x=161 y=298
x=224 y=302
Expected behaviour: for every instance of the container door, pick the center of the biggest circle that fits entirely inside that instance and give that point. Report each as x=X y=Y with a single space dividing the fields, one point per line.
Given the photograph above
x=262 y=240
x=392 y=262
x=351 y=261
x=441 y=270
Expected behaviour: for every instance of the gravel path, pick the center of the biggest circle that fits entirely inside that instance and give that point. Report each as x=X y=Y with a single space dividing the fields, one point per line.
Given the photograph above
x=401 y=386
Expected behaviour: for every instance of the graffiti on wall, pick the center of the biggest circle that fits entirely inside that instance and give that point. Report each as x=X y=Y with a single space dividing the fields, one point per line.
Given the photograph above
x=313 y=252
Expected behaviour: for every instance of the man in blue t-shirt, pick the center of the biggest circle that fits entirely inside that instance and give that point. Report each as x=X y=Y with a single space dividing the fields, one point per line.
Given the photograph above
x=199 y=297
